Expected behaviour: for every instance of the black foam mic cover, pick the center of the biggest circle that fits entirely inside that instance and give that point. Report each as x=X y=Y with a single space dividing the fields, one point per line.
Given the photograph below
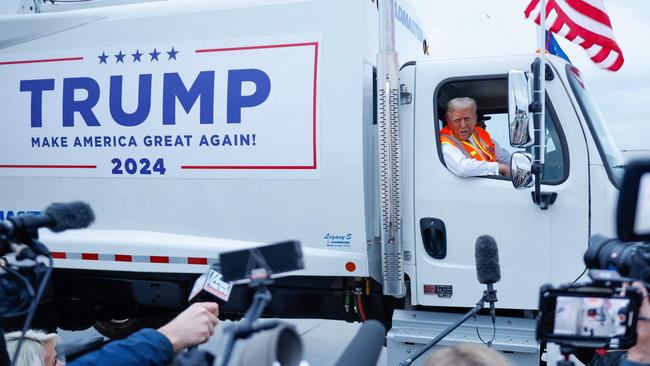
x=73 y=215
x=365 y=347
x=57 y=217
x=487 y=260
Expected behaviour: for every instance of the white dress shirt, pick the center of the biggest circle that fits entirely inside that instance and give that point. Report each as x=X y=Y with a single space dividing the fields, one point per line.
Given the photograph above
x=464 y=167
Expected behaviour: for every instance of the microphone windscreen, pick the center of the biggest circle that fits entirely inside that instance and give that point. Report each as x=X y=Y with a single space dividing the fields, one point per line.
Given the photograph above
x=487 y=260
x=365 y=347
x=74 y=215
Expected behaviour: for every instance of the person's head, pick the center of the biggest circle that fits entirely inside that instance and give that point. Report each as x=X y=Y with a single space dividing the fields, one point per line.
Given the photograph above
x=466 y=355
x=461 y=117
x=37 y=349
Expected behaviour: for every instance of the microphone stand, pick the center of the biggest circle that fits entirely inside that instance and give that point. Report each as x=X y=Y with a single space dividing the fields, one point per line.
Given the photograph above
x=260 y=280
x=489 y=295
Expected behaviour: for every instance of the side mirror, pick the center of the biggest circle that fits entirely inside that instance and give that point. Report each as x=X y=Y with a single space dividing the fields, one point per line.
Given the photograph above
x=519 y=117
x=633 y=215
x=521 y=170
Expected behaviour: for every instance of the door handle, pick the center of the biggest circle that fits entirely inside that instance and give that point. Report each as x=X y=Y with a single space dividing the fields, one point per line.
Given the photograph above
x=434 y=237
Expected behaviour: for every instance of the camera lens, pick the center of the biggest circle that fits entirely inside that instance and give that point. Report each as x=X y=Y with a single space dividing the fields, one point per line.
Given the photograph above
x=629 y=259
x=603 y=253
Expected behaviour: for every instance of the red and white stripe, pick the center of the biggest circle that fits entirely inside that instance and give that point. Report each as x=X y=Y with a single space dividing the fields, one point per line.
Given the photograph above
x=109 y=257
x=584 y=22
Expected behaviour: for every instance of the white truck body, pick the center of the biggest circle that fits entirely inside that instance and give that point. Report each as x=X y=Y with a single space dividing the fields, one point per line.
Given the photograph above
x=270 y=162
x=296 y=156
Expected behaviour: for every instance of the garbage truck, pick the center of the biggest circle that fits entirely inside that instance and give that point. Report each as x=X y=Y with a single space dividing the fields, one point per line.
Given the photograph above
x=197 y=127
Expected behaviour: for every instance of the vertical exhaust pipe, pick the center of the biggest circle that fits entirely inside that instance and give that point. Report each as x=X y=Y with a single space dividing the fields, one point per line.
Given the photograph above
x=389 y=152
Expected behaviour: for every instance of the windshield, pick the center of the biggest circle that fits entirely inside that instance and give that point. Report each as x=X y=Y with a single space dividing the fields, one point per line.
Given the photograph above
x=609 y=152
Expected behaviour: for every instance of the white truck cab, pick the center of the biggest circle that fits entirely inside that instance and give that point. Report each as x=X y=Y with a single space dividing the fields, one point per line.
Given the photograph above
x=255 y=121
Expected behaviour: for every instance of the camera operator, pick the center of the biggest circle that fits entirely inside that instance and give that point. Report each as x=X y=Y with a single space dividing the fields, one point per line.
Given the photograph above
x=149 y=347
x=639 y=355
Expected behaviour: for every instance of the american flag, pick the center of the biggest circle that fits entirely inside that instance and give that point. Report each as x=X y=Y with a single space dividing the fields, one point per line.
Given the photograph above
x=584 y=22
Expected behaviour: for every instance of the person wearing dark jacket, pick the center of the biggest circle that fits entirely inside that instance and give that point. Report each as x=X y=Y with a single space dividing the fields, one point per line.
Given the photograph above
x=149 y=347
x=639 y=355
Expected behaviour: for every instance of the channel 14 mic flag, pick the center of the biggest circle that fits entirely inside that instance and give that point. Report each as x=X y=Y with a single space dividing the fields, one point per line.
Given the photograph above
x=584 y=22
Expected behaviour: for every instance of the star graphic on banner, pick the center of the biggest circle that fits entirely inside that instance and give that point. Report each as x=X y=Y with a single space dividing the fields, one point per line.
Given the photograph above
x=154 y=55
x=136 y=56
x=120 y=57
x=172 y=54
x=103 y=57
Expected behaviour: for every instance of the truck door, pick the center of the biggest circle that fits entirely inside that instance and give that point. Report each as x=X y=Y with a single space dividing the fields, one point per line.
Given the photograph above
x=535 y=246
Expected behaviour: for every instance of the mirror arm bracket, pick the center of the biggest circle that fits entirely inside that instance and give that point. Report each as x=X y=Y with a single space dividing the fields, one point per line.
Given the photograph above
x=535 y=107
x=538 y=199
x=545 y=199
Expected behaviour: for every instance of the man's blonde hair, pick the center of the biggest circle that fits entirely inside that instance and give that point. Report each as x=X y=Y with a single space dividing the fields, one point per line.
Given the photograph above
x=461 y=103
x=466 y=355
x=32 y=352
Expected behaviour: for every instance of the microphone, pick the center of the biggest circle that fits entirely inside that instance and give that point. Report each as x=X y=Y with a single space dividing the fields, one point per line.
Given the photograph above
x=57 y=217
x=365 y=347
x=488 y=271
x=210 y=286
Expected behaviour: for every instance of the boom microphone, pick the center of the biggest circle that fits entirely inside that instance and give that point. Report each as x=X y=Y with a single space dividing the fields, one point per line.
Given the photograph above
x=57 y=217
x=488 y=271
x=487 y=260
x=365 y=347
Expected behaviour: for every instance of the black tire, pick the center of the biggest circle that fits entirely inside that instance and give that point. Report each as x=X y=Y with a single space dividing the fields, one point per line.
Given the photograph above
x=122 y=328
x=118 y=328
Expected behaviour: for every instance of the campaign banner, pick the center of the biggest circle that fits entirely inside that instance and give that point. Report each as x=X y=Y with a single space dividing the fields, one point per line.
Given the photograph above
x=209 y=109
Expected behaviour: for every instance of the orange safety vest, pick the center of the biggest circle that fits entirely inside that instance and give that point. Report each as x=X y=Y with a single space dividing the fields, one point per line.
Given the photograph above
x=486 y=150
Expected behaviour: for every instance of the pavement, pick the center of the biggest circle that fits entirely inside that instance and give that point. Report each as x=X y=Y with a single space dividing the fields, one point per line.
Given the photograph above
x=323 y=340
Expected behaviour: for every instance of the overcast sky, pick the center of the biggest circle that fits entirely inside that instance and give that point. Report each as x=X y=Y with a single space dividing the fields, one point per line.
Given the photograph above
x=497 y=27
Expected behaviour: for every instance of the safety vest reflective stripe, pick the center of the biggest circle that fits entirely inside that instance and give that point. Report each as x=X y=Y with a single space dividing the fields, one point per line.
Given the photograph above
x=476 y=154
x=483 y=151
x=478 y=143
x=453 y=141
x=486 y=142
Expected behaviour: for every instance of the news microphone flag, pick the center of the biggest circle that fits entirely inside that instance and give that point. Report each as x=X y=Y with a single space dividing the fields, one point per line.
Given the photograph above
x=584 y=22
x=554 y=48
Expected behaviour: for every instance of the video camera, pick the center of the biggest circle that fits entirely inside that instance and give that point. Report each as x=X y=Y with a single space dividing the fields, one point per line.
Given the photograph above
x=601 y=313
x=23 y=276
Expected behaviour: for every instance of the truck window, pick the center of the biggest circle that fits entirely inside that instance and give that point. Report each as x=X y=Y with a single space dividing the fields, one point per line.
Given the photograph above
x=609 y=152
x=491 y=98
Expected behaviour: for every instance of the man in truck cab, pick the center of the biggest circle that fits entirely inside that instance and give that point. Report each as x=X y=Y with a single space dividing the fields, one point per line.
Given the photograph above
x=468 y=149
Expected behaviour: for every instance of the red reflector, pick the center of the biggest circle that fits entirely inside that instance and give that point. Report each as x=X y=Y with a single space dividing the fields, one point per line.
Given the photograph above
x=158 y=259
x=90 y=256
x=350 y=266
x=123 y=258
x=58 y=255
x=193 y=260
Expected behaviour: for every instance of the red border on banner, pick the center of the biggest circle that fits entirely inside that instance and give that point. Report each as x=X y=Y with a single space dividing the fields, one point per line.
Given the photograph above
x=314 y=164
x=19 y=62
x=41 y=166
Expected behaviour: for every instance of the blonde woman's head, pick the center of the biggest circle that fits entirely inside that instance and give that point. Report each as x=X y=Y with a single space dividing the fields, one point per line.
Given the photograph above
x=466 y=355
x=38 y=349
